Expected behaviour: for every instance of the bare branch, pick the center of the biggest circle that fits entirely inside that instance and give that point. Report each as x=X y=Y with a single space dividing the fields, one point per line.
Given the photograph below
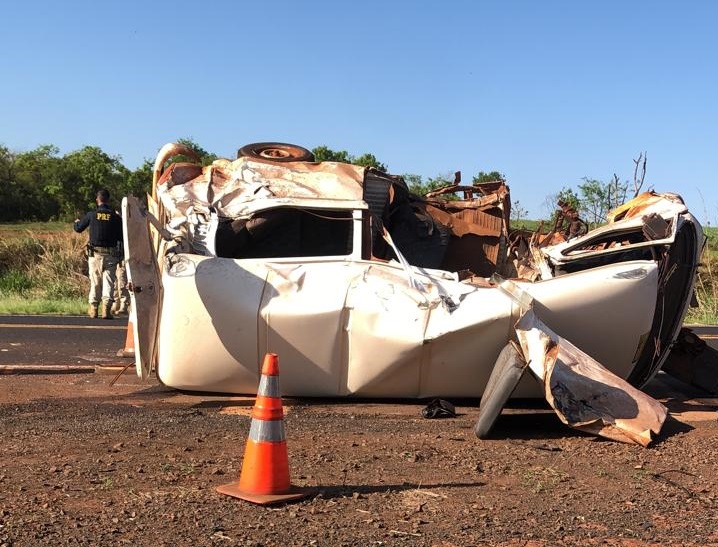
x=639 y=163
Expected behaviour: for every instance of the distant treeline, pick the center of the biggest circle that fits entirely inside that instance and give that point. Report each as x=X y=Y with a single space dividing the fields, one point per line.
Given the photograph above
x=41 y=184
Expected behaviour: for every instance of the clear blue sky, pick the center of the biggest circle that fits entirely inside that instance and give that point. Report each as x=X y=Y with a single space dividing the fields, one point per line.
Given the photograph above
x=545 y=92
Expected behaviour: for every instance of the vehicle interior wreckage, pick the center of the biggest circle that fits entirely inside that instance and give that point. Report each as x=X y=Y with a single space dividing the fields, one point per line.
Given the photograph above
x=366 y=290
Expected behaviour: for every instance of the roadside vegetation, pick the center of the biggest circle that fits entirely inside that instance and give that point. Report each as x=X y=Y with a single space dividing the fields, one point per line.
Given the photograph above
x=706 y=289
x=42 y=270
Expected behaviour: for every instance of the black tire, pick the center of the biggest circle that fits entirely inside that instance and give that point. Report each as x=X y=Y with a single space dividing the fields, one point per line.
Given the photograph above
x=275 y=151
x=505 y=376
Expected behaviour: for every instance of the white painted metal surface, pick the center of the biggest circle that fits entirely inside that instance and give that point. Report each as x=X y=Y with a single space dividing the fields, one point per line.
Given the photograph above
x=358 y=328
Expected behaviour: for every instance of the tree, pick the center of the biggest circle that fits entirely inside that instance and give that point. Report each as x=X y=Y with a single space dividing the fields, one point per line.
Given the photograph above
x=617 y=192
x=7 y=161
x=420 y=187
x=205 y=157
x=492 y=176
x=81 y=174
x=518 y=213
x=417 y=185
x=139 y=181
x=369 y=160
x=9 y=192
x=565 y=195
x=593 y=200
x=639 y=172
x=568 y=196
x=324 y=153
x=598 y=198
x=42 y=185
x=34 y=174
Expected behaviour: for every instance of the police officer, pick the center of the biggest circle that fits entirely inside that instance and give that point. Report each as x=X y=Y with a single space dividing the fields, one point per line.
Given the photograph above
x=122 y=294
x=103 y=253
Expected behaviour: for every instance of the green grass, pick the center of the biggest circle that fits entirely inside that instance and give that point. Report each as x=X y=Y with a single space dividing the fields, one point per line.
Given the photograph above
x=706 y=286
x=702 y=316
x=11 y=228
x=14 y=282
x=524 y=224
x=19 y=305
x=712 y=245
x=43 y=271
x=540 y=479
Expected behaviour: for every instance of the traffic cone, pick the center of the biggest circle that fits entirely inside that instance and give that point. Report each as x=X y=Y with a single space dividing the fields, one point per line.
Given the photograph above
x=129 y=349
x=265 y=469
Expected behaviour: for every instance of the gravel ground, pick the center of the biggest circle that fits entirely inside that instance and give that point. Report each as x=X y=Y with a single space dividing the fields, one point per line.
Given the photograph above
x=86 y=463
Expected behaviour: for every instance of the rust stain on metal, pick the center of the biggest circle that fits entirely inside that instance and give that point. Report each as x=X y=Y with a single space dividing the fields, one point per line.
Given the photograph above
x=584 y=394
x=479 y=224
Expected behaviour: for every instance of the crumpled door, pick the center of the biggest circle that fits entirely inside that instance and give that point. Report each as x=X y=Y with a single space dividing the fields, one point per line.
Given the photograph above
x=145 y=281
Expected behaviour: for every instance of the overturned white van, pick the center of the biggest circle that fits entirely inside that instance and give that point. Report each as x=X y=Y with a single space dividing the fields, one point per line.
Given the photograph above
x=364 y=290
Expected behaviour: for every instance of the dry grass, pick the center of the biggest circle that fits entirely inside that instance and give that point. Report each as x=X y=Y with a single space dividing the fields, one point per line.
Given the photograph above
x=45 y=267
x=706 y=289
x=62 y=267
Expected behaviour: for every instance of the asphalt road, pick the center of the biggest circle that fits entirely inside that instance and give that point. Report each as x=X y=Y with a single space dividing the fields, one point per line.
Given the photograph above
x=708 y=333
x=60 y=340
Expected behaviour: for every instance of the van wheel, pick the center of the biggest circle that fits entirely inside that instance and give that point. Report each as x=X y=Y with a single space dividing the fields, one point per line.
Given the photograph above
x=275 y=151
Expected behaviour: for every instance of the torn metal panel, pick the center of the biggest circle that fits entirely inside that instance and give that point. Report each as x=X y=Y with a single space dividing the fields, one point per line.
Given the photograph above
x=584 y=394
x=653 y=227
x=239 y=188
x=478 y=226
x=648 y=202
x=467 y=222
x=144 y=280
x=628 y=235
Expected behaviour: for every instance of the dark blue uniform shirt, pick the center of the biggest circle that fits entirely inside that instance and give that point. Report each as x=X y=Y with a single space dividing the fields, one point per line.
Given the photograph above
x=105 y=226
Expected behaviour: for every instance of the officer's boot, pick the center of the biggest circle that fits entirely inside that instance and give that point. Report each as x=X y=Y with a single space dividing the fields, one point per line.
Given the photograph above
x=92 y=311
x=107 y=310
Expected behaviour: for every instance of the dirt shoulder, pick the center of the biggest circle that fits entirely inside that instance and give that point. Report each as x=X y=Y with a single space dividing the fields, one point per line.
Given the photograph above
x=83 y=463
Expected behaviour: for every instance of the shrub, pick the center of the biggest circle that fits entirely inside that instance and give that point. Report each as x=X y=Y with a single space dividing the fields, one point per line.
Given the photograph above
x=62 y=268
x=14 y=282
x=706 y=290
x=19 y=254
x=44 y=266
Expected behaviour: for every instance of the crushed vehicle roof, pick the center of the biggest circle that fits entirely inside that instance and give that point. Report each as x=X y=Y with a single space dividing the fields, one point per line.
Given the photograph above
x=241 y=187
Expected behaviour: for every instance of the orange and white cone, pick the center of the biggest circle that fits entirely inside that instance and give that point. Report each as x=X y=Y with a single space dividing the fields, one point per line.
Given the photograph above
x=129 y=349
x=265 y=469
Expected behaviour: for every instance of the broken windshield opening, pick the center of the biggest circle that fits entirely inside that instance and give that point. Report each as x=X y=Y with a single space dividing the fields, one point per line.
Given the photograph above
x=286 y=232
x=609 y=241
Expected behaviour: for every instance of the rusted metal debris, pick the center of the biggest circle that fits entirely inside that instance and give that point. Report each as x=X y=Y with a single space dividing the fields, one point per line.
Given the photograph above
x=567 y=224
x=478 y=225
x=583 y=393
